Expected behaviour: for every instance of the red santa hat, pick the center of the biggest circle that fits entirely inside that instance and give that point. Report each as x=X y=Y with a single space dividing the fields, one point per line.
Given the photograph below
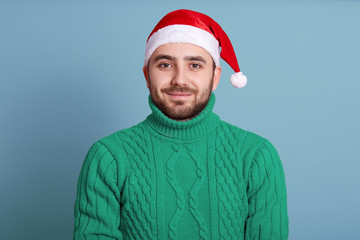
x=186 y=26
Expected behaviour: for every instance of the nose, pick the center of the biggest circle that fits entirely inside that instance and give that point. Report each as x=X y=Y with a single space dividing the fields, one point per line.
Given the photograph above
x=179 y=77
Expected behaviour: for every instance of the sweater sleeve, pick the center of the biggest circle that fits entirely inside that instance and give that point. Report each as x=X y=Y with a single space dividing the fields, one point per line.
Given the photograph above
x=97 y=205
x=267 y=217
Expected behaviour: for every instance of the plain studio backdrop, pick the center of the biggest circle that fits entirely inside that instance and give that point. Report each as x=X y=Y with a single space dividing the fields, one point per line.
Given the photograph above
x=71 y=73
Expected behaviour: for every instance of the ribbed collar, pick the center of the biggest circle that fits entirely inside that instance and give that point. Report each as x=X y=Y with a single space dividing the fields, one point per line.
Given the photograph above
x=199 y=126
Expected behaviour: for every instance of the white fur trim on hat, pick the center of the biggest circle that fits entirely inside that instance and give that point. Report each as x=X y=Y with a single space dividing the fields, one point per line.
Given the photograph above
x=238 y=80
x=183 y=34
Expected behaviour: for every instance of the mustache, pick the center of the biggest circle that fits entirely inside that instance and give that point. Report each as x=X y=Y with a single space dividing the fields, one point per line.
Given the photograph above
x=176 y=89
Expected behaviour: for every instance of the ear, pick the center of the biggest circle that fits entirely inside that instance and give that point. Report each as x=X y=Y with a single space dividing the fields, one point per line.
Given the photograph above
x=146 y=75
x=216 y=79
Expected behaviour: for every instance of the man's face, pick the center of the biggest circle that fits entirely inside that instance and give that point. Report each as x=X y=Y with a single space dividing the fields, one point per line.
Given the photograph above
x=180 y=78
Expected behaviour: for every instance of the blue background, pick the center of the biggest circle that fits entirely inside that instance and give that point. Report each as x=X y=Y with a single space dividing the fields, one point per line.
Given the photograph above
x=70 y=73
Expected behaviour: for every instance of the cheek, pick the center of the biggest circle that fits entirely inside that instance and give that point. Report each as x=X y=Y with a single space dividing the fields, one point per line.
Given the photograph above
x=202 y=80
x=160 y=78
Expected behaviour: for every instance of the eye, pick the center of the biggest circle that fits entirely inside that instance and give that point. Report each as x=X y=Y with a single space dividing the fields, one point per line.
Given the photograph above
x=195 y=66
x=164 y=65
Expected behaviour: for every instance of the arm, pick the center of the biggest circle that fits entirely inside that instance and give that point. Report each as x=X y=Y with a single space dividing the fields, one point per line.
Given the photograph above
x=267 y=218
x=97 y=205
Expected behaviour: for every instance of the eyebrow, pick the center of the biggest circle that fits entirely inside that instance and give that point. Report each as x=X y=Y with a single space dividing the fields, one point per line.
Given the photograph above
x=195 y=58
x=164 y=56
x=187 y=58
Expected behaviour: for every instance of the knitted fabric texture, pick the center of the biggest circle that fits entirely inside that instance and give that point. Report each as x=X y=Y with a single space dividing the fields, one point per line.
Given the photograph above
x=198 y=179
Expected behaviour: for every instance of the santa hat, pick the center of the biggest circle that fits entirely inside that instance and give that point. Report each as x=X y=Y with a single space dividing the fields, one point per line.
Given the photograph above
x=186 y=26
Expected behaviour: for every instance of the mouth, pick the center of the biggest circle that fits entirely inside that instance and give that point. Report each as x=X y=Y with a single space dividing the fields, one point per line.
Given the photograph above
x=179 y=95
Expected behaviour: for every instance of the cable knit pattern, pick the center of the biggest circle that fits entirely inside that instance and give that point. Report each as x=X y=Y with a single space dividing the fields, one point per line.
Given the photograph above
x=136 y=143
x=231 y=198
x=199 y=179
x=194 y=192
x=180 y=199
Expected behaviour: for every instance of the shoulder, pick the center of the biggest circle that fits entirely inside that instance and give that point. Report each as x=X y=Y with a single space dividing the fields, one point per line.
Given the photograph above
x=243 y=142
x=117 y=138
x=121 y=142
x=115 y=147
x=247 y=138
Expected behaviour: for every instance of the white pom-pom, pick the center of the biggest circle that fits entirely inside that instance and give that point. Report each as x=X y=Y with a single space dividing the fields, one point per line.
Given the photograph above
x=238 y=80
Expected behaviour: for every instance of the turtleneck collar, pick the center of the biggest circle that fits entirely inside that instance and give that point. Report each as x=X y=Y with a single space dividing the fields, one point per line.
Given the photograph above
x=196 y=127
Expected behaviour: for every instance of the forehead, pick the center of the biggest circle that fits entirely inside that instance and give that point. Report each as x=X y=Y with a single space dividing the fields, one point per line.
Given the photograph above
x=180 y=50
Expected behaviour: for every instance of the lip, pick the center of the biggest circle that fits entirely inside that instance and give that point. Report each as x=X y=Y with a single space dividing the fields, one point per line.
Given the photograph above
x=179 y=94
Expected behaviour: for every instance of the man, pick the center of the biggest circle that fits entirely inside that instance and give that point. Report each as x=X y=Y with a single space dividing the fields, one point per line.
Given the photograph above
x=183 y=173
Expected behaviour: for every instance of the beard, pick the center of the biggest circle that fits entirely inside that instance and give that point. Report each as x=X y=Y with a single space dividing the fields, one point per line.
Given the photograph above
x=181 y=110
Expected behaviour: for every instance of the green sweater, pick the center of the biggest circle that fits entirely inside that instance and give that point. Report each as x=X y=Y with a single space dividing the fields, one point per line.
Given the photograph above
x=165 y=179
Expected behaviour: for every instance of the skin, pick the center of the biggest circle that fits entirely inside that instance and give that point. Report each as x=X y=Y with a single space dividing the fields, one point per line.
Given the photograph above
x=180 y=78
